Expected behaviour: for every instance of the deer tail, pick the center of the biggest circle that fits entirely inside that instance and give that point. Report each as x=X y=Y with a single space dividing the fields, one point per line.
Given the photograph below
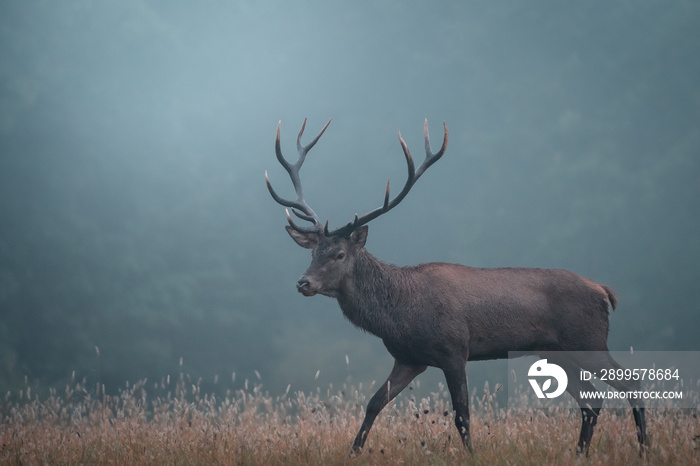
x=612 y=297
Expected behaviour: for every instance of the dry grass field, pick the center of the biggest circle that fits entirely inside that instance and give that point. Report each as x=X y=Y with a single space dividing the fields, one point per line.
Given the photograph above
x=176 y=424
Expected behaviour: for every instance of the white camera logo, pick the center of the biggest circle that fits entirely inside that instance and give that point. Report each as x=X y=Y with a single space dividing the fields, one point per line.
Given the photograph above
x=544 y=369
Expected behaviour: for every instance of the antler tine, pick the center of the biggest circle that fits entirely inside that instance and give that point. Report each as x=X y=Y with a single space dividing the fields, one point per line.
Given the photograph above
x=304 y=149
x=302 y=216
x=431 y=158
x=386 y=197
x=411 y=179
x=310 y=229
x=299 y=206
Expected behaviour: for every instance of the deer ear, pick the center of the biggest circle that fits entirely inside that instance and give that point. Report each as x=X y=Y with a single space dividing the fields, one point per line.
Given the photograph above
x=359 y=236
x=305 y=240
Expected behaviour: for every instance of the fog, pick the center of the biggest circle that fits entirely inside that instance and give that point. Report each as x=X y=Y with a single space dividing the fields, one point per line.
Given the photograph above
x=138 y=240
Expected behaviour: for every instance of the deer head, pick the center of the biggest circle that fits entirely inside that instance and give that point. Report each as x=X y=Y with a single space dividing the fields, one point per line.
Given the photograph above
x=334 y=252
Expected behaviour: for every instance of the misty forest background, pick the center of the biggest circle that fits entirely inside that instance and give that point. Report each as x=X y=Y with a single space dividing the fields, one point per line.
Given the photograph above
x=134 y=137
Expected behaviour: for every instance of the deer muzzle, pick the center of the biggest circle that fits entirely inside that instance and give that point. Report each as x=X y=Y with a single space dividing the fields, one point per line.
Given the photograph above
x=304 y=287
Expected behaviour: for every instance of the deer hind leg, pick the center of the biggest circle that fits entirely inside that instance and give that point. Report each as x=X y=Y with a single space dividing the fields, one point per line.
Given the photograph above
x=401 y=375
x=595 y=361
x=589 y=407
x=637 y=405
x=589 y=414
x=627 y=385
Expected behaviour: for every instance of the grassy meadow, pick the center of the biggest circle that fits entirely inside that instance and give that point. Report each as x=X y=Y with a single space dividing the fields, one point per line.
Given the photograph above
x=164 y=423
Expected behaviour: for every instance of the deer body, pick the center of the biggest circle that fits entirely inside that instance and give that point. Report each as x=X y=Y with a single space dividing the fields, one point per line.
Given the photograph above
x=443 y=315
x=473 y=311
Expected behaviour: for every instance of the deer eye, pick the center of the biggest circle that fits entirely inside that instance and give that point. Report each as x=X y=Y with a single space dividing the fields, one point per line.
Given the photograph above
x=340 y=256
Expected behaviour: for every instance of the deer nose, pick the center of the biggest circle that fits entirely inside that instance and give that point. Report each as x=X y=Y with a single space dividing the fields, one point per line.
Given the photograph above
x=302 y=285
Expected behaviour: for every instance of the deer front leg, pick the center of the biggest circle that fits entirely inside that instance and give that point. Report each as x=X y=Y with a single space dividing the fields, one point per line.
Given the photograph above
x=400 y=376
x=456 y=377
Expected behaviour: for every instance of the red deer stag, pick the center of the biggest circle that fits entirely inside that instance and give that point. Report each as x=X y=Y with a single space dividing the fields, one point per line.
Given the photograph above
x=443 y=315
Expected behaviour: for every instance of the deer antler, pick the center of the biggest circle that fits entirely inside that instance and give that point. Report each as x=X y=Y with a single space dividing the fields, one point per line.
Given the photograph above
x=302 y=210
x=413 y=176
x=299 y=206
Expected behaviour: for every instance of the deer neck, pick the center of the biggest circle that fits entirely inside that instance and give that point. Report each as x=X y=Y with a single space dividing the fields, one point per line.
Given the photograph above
x=370 y=295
